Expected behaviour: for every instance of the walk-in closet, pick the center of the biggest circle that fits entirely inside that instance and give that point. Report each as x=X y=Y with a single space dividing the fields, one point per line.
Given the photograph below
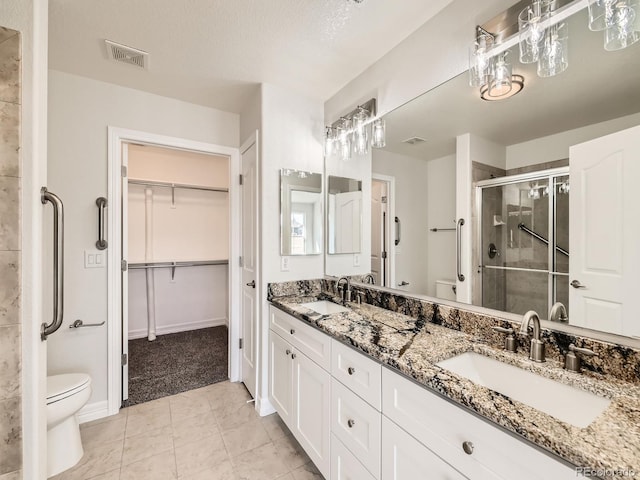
x=176 y=293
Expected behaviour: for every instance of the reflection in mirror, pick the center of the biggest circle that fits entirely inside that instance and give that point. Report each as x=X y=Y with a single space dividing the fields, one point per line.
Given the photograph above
x=344 y=215
x=300 y=212
x=512 y=170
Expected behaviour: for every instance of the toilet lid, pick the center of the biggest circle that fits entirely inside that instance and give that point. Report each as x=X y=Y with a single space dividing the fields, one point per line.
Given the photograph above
x=61 y=386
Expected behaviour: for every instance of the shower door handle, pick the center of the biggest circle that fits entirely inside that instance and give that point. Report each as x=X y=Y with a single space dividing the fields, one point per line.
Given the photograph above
x=58 y=262
x=398 y=231
x=101 y=202
x=459 y=225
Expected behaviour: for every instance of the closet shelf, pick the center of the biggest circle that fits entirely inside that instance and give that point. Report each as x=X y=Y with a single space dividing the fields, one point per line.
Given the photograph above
x=136 y=266
x=149 y=183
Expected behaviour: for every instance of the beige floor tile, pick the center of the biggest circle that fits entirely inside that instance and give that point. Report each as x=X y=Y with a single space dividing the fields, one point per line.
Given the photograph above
x=290 y=452
x=157 y=467
x=274 y=426
x=151 y=418
x=112 y=475
x=184 y=406
x=235 y=414
x=307 y=472
x=223 y=394
x=223 y=471
x=192 y=458
x=194 y=428
x=288 y=476
x=147 y=444
x=103 y=432
x=123 y=413
x=261 y=463
x=96 y=460
x=245 y=437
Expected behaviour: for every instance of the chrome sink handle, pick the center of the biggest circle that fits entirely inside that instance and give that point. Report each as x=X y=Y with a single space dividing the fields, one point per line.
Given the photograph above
x=510 y=344
x=572 y=358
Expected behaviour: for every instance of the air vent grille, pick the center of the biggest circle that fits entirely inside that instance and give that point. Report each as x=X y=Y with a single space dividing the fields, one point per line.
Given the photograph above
x=414 y=140
x=122 y=53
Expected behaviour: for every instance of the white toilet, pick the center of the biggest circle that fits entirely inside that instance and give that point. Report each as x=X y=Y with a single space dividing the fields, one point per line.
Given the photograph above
x=66 y=395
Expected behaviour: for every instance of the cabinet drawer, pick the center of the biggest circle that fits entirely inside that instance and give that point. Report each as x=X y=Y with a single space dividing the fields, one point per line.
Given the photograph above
x=444 y=427
x=404 y=458
x=313 y=343
x=357 y=425
x=344 y=466
x=361 y=374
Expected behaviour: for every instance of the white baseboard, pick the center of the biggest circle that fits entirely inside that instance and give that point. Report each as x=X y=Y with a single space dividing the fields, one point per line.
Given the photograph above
x=93 y=411
x=264 y=406
x=180 y=327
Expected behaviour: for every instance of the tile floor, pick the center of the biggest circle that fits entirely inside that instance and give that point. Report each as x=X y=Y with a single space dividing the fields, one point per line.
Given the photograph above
x=207 y=434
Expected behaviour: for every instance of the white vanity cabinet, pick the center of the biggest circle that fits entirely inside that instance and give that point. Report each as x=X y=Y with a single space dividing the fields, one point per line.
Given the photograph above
x=300 y=389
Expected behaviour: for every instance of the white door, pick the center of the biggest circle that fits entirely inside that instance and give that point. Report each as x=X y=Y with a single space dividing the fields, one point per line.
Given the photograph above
x=249 y=275
x=348 y=207
x=124 y=294
x=312 y=401
x=379 y=216
x=604 y=229
x=280 y=376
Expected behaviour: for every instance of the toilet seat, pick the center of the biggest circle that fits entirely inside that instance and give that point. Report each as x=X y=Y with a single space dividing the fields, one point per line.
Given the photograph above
x=63 y=386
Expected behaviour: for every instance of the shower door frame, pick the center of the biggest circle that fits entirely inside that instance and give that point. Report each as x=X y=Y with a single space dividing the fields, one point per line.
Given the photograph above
x=549 y=175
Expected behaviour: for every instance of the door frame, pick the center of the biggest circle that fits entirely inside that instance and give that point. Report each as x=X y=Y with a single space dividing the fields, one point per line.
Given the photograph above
x=116 y=138
x=391 y=202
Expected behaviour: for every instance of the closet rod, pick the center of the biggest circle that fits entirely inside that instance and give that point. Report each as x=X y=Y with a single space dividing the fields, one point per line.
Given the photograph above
x=149 y=183
x=134 y=266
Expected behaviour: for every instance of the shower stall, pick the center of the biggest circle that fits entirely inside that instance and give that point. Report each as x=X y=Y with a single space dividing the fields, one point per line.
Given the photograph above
x=523 y=237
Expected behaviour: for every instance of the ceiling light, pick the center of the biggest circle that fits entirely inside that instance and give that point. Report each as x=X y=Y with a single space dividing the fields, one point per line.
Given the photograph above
x=517 y=84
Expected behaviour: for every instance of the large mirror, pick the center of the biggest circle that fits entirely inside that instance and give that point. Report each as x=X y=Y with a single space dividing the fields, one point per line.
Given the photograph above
x=530 y=218
x=344 y=215
x=301 y=216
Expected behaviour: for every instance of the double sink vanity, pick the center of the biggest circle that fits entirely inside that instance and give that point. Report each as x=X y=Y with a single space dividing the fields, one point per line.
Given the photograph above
x=397 y=387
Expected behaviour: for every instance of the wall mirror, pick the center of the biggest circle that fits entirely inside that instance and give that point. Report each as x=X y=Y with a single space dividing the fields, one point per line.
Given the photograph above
x=301 y=216
x=344 y=215
x=533 y=198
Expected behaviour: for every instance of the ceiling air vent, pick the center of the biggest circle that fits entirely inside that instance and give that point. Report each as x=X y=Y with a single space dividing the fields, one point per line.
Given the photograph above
x=122 y=53
x=414 y=140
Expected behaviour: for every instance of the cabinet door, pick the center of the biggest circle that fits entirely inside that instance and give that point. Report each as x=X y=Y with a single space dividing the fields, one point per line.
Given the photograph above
x=344 y=465
x=281 y=376
x=312 y=421
x=404 y=458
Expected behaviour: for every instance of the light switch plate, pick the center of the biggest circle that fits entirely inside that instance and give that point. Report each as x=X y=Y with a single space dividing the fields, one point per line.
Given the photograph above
x=94 y=259
x=356 y=260
x=284 y=264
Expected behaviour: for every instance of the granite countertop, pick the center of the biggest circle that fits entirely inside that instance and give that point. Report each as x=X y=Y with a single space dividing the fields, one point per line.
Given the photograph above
x=413 y=347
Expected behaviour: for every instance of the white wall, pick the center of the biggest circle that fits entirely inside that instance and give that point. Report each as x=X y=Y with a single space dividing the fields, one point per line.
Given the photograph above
x=556 y=147
x=292 y=130
x=30 y=18
x=80 y=109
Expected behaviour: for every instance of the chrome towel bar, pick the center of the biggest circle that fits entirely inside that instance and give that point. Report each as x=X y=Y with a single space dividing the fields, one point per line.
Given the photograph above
x=101 y=202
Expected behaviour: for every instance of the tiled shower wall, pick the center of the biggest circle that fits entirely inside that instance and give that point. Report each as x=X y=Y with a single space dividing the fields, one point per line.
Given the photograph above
x=10 y=330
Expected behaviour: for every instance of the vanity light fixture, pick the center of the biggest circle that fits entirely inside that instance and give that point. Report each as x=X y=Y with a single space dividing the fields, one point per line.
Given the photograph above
x=620 y=20
x=355 y=132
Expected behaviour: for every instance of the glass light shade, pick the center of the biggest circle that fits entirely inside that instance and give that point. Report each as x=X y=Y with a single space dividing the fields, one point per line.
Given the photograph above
x=344 y=138
x=360 y=134
x=554 y=51
x=479 y=60
x=530 y=31
x=500 y=82
x=600 y=12
x=378 y=134
x=624 y=25
x=329 y=142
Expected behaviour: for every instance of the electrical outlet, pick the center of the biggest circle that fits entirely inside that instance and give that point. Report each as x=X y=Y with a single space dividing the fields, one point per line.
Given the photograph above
x=356 y=260
x=284 y=264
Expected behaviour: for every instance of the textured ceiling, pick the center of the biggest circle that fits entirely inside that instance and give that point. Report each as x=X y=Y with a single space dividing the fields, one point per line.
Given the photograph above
x=215 y=52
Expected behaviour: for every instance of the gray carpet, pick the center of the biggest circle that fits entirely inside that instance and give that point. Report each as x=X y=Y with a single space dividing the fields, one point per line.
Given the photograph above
x=176 y=363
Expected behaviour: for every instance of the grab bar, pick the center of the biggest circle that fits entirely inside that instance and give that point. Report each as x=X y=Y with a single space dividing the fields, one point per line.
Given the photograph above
x=58 y=262
x=101 y=202
x=398 y=231
x=459 y=248
x=524 y=228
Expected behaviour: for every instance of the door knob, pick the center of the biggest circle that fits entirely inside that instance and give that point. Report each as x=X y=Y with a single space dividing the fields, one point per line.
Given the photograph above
x=252 y=284
x=577 y=284
x=467 y=447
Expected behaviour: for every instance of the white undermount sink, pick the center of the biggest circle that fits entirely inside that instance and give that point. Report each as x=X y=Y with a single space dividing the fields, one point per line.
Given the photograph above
x=566 y=403
x=324 y=307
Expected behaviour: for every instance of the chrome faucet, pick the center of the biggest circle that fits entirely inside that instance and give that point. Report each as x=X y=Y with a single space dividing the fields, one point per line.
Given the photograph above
x=536 y=353
x=558 y=313
x=346 y=289
x=368 y=278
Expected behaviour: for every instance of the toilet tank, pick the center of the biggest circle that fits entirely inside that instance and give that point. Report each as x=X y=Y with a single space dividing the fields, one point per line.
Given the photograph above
x=445 y=289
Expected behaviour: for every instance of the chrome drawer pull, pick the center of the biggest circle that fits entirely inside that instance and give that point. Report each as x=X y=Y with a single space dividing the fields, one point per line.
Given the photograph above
x=351 y=423
x=292 y=331
x=467 y=447
x=351 y=370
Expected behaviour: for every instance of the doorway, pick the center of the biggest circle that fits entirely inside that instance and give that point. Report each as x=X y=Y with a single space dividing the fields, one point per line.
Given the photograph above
x=172 y=229
x=382 y=213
